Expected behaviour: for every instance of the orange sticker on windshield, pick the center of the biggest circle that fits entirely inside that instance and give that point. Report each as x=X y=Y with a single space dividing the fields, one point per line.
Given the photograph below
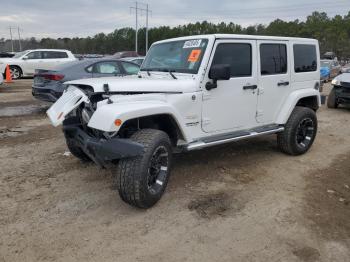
x=194 y=56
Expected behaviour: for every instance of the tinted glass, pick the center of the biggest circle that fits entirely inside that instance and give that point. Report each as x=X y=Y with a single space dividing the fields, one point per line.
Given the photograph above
x=34 y=55
x=305 y=58
x=54 y=55
x=273 y=59
x=106 y=68
x=130 y=68
x=238 y=56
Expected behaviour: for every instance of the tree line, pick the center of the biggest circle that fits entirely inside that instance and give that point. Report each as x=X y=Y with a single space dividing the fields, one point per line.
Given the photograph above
x=333 y=34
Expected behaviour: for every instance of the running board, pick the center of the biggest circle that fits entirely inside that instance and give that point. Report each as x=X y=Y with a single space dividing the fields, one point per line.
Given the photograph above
x=202 y=144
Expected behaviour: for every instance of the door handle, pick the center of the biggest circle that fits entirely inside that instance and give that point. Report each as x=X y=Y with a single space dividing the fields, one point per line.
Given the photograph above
x=252 y=87
x=282 y=83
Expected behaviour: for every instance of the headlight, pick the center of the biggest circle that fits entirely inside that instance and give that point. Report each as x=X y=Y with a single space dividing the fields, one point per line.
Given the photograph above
x=335 y=82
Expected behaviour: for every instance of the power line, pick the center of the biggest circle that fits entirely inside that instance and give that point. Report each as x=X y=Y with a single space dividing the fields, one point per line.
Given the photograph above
x=138 y=9
x=18 y=29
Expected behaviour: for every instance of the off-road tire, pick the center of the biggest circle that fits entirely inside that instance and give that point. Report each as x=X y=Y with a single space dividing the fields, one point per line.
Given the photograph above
x=76 y=151
x=18 y=71
x=288 y=139
x=133 y=174
x=331 y=100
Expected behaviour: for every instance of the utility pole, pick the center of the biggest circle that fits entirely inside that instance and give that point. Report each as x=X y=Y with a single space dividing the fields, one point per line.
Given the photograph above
x=137 y=11
x=11 y=38
x=19 y=39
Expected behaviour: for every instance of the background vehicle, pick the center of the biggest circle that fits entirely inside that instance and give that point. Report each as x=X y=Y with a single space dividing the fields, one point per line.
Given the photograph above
x=5 y=55
x=340 y=93
x=136 y=60
x=1 y=79
x=334 y=68
x=49 y=84
x=192 y=93
x=24 y=63
x=124 y=54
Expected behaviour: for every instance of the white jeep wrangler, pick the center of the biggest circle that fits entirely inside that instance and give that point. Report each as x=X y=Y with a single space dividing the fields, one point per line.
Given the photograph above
x=192 y=93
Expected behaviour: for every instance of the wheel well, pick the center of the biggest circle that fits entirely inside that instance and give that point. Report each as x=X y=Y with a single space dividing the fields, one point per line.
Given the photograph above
x=162 y=122
x=17 y=67
x=310 y=102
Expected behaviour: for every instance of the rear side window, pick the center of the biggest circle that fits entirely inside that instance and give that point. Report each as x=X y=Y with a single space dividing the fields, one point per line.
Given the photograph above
x=130 y=68
x=305 y=58
x=106 y=68
x=54 y=54
x=237 y=55
x=273 y=59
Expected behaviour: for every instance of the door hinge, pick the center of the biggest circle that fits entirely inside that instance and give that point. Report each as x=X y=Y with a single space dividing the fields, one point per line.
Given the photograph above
x=206 y=121
x=259 y=113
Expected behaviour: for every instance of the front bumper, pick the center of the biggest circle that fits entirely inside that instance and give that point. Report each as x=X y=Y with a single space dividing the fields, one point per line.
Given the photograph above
x=46 y=94
x=342 y=94
x=101 y=150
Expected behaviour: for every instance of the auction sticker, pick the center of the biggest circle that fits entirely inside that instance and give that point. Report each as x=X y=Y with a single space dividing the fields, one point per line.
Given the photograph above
x=192 y=43
x=194 y=55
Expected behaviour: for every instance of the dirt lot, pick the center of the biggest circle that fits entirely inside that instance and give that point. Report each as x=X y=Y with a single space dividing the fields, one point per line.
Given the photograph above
x=244 y=201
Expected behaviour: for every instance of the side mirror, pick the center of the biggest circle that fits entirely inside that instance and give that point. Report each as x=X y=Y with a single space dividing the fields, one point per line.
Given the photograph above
x=218 y=72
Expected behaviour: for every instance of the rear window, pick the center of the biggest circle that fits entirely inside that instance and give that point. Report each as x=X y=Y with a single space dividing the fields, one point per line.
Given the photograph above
x=305 y=58
x=273 y=59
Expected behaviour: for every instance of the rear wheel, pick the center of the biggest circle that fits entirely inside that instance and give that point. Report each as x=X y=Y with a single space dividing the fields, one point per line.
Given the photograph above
x=142 y=180
x=332 y=100
x=299 y=133
x=16 y=72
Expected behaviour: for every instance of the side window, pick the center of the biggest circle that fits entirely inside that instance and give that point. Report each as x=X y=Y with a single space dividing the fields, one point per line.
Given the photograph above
x=273 y=59
x=237 y=55
x=106 y=68
x=34 y=55
x=305 y=58
x=130 y=68
x=54 y=54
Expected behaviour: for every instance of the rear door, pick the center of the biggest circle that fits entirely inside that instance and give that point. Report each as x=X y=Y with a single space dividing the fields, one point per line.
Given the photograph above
x=274 y=79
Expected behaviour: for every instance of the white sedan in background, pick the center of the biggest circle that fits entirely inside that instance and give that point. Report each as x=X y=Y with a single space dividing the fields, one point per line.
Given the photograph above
x=24 y=63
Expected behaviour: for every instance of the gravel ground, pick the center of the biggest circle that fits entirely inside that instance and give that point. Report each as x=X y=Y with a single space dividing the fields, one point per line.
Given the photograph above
x=243 y=201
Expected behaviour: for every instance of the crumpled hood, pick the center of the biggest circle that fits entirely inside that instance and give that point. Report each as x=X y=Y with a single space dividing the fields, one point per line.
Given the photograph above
x=134 y=84
x=345 y=77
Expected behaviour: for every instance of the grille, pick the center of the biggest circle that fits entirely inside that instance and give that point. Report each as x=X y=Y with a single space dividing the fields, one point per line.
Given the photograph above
x=345 y=84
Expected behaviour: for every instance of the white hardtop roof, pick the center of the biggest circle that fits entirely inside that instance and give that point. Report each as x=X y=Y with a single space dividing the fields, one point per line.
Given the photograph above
x=238 y=36
x=39 y=49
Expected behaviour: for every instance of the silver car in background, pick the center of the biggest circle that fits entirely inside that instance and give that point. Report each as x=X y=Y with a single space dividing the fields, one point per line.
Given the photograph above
x=49 y=84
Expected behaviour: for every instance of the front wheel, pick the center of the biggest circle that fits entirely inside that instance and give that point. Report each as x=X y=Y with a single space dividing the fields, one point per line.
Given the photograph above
x=142 y=180
x=16 y=72
x=299 y=133
x=332 y=100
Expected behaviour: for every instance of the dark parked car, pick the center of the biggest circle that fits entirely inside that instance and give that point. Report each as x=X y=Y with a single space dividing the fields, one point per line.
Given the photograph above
x=340 y=93
x=49 y=84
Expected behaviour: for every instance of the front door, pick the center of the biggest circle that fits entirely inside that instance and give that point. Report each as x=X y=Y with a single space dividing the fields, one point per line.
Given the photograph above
x=232 y=105
x=274 y=79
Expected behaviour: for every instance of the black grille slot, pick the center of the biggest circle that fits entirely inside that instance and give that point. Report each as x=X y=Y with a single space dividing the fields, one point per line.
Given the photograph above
x=345 y=84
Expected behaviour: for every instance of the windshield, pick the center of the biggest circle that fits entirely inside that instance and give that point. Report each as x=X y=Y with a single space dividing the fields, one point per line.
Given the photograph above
x=18 y=55
x=178 y=56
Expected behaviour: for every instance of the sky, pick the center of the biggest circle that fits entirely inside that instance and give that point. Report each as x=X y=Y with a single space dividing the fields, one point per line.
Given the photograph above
x=80 y=18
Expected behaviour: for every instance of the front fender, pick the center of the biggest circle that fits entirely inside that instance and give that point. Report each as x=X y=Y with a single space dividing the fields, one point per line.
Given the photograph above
x=105 y=115
x=292 y=101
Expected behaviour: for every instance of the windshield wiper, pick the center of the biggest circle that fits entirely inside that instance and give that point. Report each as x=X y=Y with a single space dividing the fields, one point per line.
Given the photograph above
x=170 y=71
